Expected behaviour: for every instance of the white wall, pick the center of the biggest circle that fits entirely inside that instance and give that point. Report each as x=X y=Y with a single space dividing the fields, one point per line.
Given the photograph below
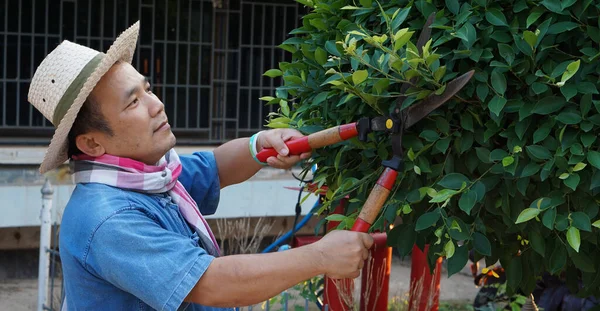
x=262 y=195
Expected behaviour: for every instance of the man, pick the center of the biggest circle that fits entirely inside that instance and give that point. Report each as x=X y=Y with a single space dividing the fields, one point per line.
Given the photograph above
x=133 y=235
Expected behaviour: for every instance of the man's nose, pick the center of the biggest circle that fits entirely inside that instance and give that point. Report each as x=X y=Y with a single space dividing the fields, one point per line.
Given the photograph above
x=155 y=106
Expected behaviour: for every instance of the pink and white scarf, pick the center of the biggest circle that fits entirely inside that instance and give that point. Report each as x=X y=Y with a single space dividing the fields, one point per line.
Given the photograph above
x=134 y=175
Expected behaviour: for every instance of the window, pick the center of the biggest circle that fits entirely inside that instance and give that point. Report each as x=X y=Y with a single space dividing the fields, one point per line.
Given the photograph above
x=205 y=58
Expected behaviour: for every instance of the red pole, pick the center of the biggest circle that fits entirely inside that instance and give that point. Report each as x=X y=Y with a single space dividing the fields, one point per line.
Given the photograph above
x=424 y=286
x=375 y=280
x=337 y=295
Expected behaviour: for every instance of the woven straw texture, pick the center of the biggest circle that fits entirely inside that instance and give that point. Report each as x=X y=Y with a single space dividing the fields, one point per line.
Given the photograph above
x=55 y=74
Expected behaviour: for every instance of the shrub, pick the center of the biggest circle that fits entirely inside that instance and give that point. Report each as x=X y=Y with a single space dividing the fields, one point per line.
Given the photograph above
x=509 y=168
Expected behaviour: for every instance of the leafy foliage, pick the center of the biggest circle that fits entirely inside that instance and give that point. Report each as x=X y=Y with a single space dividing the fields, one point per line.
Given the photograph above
x=509 y=168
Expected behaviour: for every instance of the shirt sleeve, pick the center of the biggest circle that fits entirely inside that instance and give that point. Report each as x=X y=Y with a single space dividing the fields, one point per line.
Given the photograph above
x=200 y=177
x=158 y=266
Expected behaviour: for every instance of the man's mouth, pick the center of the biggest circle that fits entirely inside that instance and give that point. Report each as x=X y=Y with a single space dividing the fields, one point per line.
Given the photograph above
x=163 y=126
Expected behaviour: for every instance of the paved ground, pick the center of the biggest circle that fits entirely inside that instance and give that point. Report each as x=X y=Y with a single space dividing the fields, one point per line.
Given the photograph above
x=21 y=295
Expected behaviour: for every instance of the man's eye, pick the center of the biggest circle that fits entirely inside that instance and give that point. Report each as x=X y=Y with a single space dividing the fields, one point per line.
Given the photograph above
x=133 y=102
x=149 y=90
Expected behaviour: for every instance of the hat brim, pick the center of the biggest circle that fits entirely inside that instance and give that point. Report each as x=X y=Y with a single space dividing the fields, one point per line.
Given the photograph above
x=122 y=49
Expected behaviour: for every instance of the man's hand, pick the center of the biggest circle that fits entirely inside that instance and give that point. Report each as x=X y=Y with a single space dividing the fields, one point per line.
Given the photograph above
x=276 y=139
x=342 y=254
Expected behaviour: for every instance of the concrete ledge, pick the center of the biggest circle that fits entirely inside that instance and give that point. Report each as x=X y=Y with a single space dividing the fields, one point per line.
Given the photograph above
x=33 y=155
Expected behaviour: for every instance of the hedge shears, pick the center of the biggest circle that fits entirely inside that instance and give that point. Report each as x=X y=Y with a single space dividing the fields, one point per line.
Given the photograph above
x=393 y=124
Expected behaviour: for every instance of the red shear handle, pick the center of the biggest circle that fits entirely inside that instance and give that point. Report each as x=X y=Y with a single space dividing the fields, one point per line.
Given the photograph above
x=375 y=201
x=313 y=141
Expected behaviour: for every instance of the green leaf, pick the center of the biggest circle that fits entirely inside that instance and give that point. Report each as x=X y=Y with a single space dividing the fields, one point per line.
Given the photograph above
x=320 y=56
x=483 y=154
x=571 y=70
x=479 y=188
x=267 y=98
x=549 y=218
x=449 y=249
x=573 y=238
x=539 y=152
x=537 y=243
x=542 y=203
x=430 y=135
x=285 y=109
x=572 y=181
x=453 y=6
x=561 y=27
x=596 y=223
x=272 y=73
x=442 y=145
x=541 y=133
x=587 y=139
x=318 y=23
x=336 y=217
x=562 y=222
x=558 y=259
x=332 y=49
x=567 y=3
x=548 y=105
x=569 y=118
x=498 y=154
x=593 y=158
x=366 y=3
x=427 y=220
x=507 y=161
x=467 y=34
x=568 y=91
x=466 y=122
x=539 y=88
x=530 y=38
x=482 y=91
x=581 y=221
x=406 y=237
x=482 y=244
x=498 y=82
x=417 y=170
x=453 y=181
x=579 y=166
x=587 y=88
x=514 y=273
x=530 y=169
x=320 y=98
x=458 y=261
x=553 y=5
x=582 y=262
x=534 y=15
x=496 y=17
x=467 y=201
x=497 y=104
x=381 y=85
x=507 y=52
x=439 y=73
x=443 y=195
x=400 y=18
x=359 y=76
x=293 y=79
x=527 y=214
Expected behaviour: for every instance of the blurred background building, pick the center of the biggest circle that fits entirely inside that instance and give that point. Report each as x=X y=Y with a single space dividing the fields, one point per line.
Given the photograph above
x=205 y=60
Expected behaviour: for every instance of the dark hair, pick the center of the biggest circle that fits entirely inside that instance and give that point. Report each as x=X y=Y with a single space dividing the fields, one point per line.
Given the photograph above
x=88 y=119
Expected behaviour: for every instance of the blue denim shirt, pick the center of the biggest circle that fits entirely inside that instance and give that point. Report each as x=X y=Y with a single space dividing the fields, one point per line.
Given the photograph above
x=125 y=250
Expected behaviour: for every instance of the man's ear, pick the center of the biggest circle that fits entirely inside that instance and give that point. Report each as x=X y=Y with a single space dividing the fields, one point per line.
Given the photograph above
x=90 y=145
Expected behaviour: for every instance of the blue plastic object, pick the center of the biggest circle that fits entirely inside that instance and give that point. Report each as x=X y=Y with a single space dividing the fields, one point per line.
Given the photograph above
x=286 y=236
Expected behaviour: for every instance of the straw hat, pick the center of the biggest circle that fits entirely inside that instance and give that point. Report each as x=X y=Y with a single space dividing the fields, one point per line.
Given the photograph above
x=63 y=81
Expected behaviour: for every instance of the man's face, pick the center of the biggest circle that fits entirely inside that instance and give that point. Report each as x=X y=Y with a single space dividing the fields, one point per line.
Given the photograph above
x=135 y=115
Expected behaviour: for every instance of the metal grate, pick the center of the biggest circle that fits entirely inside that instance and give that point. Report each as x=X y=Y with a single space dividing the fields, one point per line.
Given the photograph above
x=205 y=63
